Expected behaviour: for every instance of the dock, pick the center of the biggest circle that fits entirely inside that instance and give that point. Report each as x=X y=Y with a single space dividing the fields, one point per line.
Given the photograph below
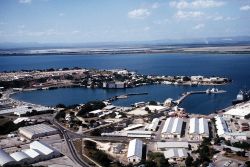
x=185 y=95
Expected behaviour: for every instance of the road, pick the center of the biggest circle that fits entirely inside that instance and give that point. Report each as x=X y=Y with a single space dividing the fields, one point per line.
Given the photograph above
x=70 y=144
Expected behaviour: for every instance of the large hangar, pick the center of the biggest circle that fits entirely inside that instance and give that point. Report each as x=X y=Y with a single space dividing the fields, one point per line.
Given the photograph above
x=39 y=130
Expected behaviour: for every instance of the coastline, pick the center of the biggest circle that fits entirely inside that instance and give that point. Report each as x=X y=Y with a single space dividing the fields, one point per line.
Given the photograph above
x=234 y=49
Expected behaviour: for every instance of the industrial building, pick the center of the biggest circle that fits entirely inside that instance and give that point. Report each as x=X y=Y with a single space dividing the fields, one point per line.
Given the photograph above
x=135 y=151
x=46 y=150
x=22 y=110
x=153 y=125
x=175 y=154
x=172 y=128
x=20 y=157
x=6 y=159
x=238 y=112
x=221 y=126
x=223 y=131
x=38 y=152
x=198 y=128
x=36 y=131
x=131 y=133
x=169 y=145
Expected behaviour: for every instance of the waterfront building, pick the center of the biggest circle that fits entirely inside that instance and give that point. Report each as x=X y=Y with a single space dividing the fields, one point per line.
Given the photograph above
x=238 y=112
x=172 y=128
x=198 y=128
x=113 y=85
x=135 y=151
x=36 y=131
x=223 y=131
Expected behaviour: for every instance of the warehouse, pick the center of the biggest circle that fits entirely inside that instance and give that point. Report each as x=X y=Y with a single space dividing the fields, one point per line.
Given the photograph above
x=46 y=150
x=135 y=151
x=21 y=158
x=238 y=112
x=172 y=128
x=175 y=154
x=169 y=145
x=36 y=131
x=154 y=124
x=198 y=128
x=35 y=155
x=221 y=126
x=6 y=159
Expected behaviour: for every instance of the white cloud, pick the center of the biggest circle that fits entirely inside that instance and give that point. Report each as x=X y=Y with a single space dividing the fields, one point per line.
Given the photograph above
x=183 y=4
x=245 y=8
x=155 y=5
x=198 y=26
x=25 y=1
x=139 y=13
x=188 y=14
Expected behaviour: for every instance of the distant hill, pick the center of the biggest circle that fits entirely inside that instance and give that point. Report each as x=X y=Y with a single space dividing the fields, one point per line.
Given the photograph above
x=237 y=40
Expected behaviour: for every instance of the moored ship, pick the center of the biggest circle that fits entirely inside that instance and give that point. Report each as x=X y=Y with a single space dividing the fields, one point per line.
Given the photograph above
x=242 y=97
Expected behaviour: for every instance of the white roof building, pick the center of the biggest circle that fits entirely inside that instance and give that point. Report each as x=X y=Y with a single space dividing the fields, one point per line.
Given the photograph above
x=172 y=127
x=221 y=125
x=239 y=111
x=175 y=153
x=6 y=159
x=135 y=150
x=38 y=130
x=153 y=125
x=41 y=147
x=134 y=126
x=198 y=127
x=31 y=153
x=168 y=145
x=20 y=157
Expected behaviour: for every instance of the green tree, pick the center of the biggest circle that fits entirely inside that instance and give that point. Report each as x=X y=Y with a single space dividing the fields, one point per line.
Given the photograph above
x=189 y=160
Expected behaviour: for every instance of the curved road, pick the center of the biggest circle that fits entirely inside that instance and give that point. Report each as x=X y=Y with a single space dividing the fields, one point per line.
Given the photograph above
x=70 y=144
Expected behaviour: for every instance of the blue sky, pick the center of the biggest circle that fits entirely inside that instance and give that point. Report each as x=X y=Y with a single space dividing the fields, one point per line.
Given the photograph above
x=74 y=21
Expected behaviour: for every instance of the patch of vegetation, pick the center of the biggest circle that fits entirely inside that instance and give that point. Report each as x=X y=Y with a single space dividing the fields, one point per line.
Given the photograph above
x=156 y=159
x=90 y=106
x=8 y=126
x=98 y=155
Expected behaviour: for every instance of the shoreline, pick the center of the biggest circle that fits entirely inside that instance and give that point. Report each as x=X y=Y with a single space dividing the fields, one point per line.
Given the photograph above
x=151 y=49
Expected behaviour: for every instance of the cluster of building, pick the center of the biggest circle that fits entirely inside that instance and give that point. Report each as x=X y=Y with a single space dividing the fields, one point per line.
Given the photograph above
x=36 y=131
x=25 y=109
x=37 y=152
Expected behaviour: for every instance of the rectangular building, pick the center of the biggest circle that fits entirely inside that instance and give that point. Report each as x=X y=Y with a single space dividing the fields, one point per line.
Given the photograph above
x=36 y=131
x=135 y=151
x=172 y=128
x=198 y=128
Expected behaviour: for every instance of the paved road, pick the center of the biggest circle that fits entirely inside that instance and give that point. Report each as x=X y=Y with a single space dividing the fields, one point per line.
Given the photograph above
x=70 y=144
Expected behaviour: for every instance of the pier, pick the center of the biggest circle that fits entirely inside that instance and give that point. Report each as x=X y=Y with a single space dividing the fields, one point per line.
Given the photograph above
x=185 y=95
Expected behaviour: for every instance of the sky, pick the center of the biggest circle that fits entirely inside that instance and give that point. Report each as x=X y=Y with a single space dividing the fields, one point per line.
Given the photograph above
x=83 y=21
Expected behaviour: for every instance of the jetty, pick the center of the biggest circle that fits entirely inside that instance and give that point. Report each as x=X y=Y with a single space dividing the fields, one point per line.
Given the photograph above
x=186 y=94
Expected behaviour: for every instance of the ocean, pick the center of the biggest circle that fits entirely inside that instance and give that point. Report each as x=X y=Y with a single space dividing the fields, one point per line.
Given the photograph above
x=233 y=66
